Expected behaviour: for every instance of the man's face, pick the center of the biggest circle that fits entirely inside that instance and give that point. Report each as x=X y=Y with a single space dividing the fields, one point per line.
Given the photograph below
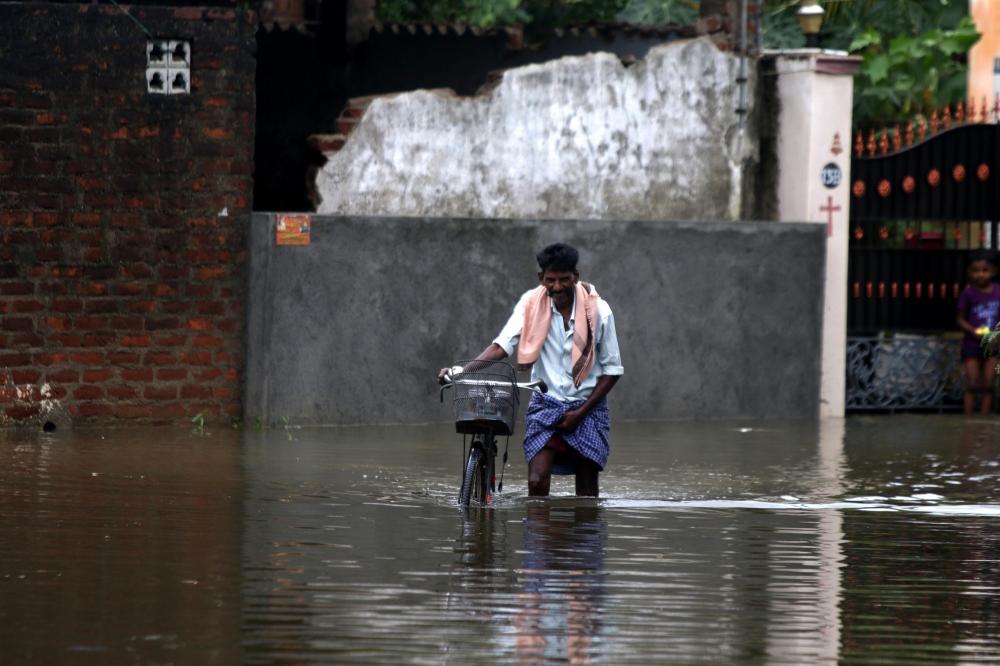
x=560 y=285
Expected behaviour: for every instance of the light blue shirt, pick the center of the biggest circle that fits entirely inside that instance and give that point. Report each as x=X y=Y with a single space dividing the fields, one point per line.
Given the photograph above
x=555 y=363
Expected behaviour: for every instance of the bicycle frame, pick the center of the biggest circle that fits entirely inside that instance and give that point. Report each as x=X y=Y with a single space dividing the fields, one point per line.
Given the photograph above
x=479 y=468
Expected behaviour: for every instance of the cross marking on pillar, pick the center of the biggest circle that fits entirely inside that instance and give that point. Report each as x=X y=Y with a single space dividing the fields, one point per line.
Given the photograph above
x=829 y=209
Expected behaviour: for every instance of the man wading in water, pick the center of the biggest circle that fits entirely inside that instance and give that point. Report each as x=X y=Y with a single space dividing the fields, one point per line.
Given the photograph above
x=565 y=333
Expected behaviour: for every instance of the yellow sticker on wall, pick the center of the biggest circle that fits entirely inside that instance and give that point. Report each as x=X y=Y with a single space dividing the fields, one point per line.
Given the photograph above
x=293 y=229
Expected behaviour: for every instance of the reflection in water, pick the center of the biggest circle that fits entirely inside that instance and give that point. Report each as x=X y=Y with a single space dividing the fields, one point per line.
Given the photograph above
x=870 y=540
x=562 y=583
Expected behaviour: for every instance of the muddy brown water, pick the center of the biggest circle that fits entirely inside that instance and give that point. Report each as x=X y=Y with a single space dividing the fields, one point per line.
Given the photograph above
x=868 y=540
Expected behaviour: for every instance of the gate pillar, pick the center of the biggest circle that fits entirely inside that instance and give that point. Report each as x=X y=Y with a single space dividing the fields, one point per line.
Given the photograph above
x=815 y=96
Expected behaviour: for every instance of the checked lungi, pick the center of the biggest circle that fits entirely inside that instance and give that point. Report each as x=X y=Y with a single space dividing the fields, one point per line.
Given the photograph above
x=590 y=439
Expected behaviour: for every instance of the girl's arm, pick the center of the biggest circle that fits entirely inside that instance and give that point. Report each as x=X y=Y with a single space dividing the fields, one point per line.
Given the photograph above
x=964 y=325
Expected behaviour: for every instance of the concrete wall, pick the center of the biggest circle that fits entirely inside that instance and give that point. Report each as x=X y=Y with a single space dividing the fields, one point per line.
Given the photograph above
x=714 y=319
x=582 y=137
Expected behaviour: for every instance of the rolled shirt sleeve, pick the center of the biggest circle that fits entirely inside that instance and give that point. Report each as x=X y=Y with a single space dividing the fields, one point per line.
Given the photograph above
x=609 y=358
x=511 y=332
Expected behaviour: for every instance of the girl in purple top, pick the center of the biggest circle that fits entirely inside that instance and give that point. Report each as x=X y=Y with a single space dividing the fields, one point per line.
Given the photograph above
x=978 y=313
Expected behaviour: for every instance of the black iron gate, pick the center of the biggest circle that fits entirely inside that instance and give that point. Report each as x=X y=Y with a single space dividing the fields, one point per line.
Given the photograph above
x=919 y=204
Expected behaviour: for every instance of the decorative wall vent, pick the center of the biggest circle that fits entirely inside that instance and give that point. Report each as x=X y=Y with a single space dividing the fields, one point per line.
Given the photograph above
x=168 y=67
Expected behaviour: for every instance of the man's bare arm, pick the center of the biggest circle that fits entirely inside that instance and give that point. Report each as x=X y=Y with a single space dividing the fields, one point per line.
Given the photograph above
x=492 y=353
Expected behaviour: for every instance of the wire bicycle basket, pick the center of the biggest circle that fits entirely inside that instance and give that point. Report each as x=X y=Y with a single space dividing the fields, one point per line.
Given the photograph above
x=486 y=398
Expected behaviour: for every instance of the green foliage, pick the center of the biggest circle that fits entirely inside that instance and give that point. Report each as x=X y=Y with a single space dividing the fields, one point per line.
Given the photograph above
x=482 y=13
x=658 y=12
x=902 y=76
x=913 y=51
x=538 y=14
x=198 y=425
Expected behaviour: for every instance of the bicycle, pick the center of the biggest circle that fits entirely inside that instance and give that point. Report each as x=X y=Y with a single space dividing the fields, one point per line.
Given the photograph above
x=486 y=401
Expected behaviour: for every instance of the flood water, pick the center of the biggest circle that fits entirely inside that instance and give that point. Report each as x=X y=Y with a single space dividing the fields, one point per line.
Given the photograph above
x=863 y=541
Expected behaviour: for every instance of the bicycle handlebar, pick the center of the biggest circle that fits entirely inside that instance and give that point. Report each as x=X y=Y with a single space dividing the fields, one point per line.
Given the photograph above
x=538 y=385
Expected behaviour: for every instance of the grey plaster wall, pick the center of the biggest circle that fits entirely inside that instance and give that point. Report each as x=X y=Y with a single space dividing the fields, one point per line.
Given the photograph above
x=714 y=319
x=581 y=137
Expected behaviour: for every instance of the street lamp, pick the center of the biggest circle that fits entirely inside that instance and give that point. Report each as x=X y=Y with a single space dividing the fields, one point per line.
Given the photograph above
x=810 y=17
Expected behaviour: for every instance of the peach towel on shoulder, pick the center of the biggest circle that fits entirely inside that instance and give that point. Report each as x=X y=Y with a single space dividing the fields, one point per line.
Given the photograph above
x=538 y=318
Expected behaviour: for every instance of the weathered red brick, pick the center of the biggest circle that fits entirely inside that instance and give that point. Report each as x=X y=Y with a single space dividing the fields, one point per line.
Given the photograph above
x=88 y=392
x=26 y=340
x=27 y=306
x=90 y=323
x=163 y=290
x=171 y=340
x=48 y=359
x=96 y=375
x=127 y=411
x=207 y=341
x=122 y=358
x=137 y=374
x=67 y=305
x=175 y=307
x=160 y=393
x=56 y=323
x=22 y=412
x=136 y=341
x=92 y=409
x=66 y=340
x=171 y=374
x=171 y=411
x=91 y=289
x=160 y=358
x=19 y=376
x=63 y=376
x=200 y=324
x=214 y=273
x=162 y=323
x=208 y=374
x=17 y=288
x=17 y=324
x=211 y=308
x=197 y=358
x=129 y=288
x=100 y=339
x=189 y=391
x=127 y=323
x=87 y=358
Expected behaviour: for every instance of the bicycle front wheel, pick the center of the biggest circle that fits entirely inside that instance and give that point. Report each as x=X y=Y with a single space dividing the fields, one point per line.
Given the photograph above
x=475 y=481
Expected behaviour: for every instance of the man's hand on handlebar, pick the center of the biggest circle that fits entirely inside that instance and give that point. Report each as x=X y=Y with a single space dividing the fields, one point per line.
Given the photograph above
x=448 y=374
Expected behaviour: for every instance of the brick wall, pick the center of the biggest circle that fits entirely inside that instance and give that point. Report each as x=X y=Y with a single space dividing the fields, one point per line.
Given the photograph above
x=123 y=215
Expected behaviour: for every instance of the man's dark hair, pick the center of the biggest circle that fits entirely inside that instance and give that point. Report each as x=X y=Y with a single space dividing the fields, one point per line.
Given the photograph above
x=558 y=257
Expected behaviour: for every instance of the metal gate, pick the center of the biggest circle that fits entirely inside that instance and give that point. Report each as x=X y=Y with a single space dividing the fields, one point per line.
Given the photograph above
x=921 y=199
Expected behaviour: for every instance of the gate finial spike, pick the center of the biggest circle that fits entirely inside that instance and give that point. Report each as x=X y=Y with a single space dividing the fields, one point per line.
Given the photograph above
x=922 y=131
x=883 y=142
x=960 y=112
x=897 y=139
x=946 y=116
x=934 y=122
x=871 y=143
x=909 y=133
x=859 y=145
x=996 y=107
x=983 y=112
